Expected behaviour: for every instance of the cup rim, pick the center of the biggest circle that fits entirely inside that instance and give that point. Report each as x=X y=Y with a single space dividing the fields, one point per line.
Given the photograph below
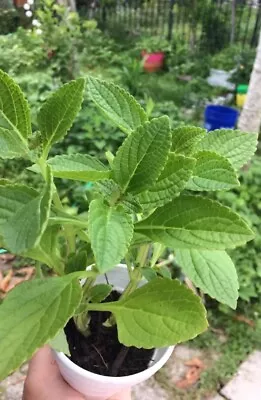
x=151 y=370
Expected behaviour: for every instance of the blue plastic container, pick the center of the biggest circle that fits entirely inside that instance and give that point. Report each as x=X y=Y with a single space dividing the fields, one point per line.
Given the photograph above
x=217 y=117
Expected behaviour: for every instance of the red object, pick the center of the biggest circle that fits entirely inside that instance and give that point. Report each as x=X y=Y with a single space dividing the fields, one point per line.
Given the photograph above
x=19 y=3
x=153 y=62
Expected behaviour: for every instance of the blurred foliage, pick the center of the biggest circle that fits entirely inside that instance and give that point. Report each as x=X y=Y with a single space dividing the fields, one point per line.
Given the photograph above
x=246 y=200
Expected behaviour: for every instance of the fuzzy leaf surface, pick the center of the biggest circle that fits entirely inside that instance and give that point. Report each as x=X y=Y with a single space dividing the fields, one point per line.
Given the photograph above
x=142 y=156
x=59 y=111
x=190 y=222
x=78 y=167
x=12 y=198
x=238 y=147
x=117 y=104
x=211 y=271
x=47 y=250
x=11 y=145
x=171 y=182
x=32 y=314
x=111 y=231
x=24 y=229
x=14 y=109
x=160 y=313
x=186 y=138
x=99 y=292
x=212 y=172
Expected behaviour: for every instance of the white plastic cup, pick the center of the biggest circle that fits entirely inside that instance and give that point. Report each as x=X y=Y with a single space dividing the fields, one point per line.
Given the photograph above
x=99 y=387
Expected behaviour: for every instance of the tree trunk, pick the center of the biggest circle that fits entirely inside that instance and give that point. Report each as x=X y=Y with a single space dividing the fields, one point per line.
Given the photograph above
x=233 y=21
x=68 y=3
x=250 y=119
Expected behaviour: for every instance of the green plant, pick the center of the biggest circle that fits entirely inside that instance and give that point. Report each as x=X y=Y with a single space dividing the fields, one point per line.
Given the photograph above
x=246 y=200
x=138 y=210
x=153 y=44
x=217 y=22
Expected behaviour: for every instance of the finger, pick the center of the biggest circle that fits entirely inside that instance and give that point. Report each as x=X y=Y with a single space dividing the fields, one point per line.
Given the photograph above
x=43 y=364
x=126 y=395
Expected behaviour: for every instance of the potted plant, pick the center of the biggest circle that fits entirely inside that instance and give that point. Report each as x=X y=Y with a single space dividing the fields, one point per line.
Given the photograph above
x=153 y=51
x=120 y=321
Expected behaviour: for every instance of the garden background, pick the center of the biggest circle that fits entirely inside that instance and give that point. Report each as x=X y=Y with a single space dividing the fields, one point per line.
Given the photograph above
x=44 y=43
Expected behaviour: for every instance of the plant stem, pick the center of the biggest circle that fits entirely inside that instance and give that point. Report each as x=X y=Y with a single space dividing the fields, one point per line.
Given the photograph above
x=69 y=234
x=158 y=249
x=142 y=255
x=38 y=269
x=87 y=287
x=119 y=360
x=135 y=279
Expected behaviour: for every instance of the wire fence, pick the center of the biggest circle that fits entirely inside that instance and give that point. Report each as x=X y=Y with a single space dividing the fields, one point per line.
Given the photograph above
x=224 y=21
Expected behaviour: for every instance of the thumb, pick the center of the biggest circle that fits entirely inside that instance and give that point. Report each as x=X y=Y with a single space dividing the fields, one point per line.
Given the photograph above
x=126 y=395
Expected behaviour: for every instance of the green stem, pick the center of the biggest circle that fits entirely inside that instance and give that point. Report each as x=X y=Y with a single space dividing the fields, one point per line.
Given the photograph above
x=157 y=251
x=129 y=266
x=38 y=269
x=133 y=284
x=69 y=234
x=87 y=287
x=142 y=255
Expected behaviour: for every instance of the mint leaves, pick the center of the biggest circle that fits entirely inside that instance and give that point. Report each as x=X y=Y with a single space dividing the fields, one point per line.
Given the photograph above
x=14 y=109
x=141 y=202
x=211 y=271
x=111 y=231
x=161 y=313
x=32 y=314
x=58 y=113
x=190 y=222
x=141 y=158
x=117 y=104
x=238 y=147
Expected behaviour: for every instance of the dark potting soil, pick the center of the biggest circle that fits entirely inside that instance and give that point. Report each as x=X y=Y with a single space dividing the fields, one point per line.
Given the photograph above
x=101 y=351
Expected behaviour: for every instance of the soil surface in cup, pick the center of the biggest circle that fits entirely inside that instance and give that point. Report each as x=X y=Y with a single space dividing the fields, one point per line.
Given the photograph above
x=101 y=351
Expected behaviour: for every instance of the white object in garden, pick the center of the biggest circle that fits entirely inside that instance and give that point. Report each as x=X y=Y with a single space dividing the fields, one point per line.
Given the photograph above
x=220 y=78
x=26 y=6
x=35 y=22
x=99 y=387
x=39 y=31
x=31 y=2
x=29 y=14
x=250 y=118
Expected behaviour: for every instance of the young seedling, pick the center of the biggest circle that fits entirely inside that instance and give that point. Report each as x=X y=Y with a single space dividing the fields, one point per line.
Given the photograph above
x=145 y=201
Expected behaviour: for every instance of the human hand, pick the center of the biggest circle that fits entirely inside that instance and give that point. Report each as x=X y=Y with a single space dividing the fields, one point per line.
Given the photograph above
x=44 y=381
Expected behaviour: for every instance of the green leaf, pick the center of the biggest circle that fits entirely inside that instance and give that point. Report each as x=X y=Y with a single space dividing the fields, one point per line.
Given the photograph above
x=14 y=109
x=32 y=314
x=111 y=231
x=59 y=111
x=211 y=271
x=11 y=144
x=100 y=292
x=24 y=230
x=186 y=138
x=212 y=172
x=141 y=158
x=238 y=147
x=149 y=273
x=161 y=313
x=116 y=104
x=195 y=222
x=111 y=191
x=76 y=262
x=165 y=272
x=48 y=250
x=59 y=343
x=171 y=182
x=79 y=167
x=12 y=198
